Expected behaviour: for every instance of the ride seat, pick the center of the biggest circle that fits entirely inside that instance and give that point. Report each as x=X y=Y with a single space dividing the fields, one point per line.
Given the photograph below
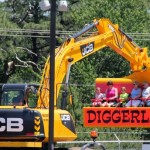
x=118 y=83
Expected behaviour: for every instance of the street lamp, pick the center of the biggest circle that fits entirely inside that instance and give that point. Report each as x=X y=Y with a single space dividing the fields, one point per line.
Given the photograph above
x=62 y=6
x=44 y=5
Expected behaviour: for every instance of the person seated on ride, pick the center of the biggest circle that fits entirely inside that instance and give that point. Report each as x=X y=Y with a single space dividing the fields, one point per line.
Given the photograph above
x=146 y=94
x=98 y=97
x=123 y=97
x=111 y=95
x=135 y=95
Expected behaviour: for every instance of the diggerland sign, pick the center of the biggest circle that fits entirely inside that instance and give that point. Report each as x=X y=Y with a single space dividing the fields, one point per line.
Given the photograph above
x=116 y=117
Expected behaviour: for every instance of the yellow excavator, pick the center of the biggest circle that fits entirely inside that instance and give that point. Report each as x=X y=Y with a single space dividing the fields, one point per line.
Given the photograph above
x=22 y=126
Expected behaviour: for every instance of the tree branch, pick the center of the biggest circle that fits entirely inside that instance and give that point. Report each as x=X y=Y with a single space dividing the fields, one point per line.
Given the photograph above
x=3 y=50
x=25 y=63
x=26 y=49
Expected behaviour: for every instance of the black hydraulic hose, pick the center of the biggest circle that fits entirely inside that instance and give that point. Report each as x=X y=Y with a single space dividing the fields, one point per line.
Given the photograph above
x=129 y=38
x=87 y=28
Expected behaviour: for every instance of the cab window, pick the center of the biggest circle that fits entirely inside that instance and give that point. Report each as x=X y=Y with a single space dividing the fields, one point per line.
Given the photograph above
x=32 y=96
x=10 y=98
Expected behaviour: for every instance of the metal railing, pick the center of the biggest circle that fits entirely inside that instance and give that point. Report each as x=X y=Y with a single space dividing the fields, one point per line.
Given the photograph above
x=102 y=144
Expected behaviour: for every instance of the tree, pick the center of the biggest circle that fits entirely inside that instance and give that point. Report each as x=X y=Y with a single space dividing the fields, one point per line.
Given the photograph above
x=28 y=54
x=131 y=15
x=24 y=51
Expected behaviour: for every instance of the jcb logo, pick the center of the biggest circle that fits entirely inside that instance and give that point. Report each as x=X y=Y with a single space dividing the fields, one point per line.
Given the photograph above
x=65 y=117
x=87 y=48
x=11 y=124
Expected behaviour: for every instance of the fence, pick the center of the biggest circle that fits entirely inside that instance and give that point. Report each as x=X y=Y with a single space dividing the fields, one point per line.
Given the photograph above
x=116 y=143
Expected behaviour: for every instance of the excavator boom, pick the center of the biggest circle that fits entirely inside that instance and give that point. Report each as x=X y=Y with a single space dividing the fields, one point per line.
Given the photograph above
x=73 y=50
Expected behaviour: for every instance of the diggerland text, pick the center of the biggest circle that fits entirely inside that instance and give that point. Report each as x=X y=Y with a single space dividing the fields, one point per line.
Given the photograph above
x=116 y=117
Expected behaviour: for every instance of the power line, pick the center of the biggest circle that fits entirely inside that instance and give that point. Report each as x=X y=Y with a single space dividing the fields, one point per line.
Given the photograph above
x=60 y=36
x=29 y=31
x=8 y=32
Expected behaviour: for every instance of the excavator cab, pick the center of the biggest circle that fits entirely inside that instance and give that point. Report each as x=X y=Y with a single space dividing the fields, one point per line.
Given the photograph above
x=19 y=95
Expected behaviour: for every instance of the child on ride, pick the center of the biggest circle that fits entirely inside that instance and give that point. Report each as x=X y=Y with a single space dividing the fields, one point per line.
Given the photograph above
x=123 y=96
x=98 y=97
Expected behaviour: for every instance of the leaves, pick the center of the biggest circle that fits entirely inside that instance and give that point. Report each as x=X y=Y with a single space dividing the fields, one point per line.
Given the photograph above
x=131 y=16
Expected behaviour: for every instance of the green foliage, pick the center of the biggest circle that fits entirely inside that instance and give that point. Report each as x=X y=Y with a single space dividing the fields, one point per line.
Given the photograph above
x=130 y=15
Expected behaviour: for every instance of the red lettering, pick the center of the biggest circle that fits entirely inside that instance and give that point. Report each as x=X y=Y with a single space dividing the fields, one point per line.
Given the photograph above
x=134 y=116
x=91 y=116
x=106 y=116
x=116 y=117
x=143 y=117
x=125 y=116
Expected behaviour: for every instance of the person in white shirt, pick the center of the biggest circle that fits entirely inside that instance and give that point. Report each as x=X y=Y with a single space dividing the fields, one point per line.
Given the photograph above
x=98 y=97
x=146 y=93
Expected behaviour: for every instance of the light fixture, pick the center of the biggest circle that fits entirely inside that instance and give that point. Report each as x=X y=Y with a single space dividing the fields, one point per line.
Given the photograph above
x=44 y=5
x=62 y=5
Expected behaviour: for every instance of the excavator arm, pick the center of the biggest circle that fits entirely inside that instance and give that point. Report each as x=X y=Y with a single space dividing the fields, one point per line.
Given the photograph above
x=72 y=50
x=123 y=45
